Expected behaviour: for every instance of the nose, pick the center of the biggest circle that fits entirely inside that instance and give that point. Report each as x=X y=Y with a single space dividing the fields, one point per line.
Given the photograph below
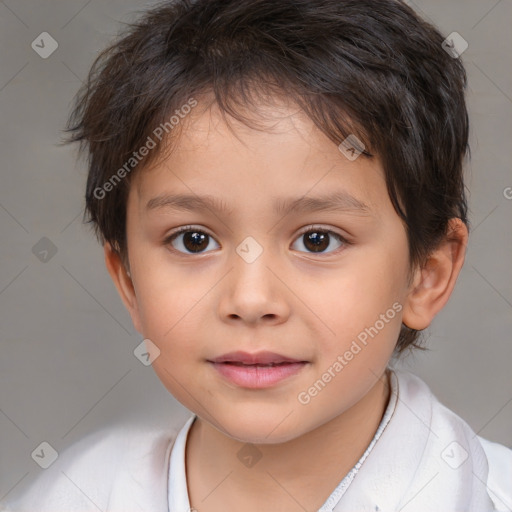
x=254 y=292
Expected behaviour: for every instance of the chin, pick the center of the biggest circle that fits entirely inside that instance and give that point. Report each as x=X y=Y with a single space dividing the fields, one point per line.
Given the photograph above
x=258 y=428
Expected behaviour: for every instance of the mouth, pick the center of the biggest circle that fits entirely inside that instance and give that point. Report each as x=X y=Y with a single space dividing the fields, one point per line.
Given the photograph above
x=256 y=359
x=259 y=365
x=256 y=371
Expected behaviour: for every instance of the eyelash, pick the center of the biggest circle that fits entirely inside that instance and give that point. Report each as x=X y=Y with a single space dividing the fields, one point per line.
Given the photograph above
x=167 y=241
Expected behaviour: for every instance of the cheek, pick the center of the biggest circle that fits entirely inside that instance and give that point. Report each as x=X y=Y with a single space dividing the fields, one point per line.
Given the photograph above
x=168 y=313
x=166 y=292
x=171 y=315
x=360 y=311
x=175 y=308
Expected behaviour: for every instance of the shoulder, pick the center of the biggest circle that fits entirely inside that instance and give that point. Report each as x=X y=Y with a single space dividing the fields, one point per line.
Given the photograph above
x=91 y=473
x=499 y=481
x=493 y=459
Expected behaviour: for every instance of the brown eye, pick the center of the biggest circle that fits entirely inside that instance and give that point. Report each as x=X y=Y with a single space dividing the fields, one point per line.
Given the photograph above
x=189 y=241
x=318 y=240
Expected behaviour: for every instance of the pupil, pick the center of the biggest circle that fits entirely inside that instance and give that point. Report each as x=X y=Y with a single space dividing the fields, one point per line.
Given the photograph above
x=194 y=241
x=320 y=241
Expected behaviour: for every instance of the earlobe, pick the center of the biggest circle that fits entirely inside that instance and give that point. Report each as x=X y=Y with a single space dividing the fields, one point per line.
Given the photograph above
x=434 y=282
x=123 y=282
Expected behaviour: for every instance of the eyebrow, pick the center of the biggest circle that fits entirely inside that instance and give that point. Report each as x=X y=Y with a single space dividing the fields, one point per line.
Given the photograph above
x=339 y=201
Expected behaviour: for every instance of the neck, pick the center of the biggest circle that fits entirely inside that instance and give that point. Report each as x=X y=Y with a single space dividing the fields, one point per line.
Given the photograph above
x=305 y=468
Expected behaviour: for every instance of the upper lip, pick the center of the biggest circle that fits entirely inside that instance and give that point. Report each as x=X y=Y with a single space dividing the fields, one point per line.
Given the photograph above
x=256 y=358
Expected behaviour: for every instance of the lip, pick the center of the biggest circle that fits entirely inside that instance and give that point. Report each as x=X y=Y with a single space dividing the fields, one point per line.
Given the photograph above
x=263 y=357
x=256 y=371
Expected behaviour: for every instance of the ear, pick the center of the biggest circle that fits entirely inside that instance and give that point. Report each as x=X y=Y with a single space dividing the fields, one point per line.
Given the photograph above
x=123 y=282
x=433 y=283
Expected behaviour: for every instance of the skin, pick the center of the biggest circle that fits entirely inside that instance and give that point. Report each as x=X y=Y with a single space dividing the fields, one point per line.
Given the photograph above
x=290 y=300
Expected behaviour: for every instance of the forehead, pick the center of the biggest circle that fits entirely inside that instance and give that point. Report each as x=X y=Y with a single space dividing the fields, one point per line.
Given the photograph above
x=280 y=154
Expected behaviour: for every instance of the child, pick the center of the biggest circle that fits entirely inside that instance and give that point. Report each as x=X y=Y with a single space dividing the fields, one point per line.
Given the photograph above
x=278 y=186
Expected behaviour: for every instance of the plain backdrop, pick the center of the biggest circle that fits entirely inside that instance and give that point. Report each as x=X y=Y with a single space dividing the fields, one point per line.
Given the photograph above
x=67 y=366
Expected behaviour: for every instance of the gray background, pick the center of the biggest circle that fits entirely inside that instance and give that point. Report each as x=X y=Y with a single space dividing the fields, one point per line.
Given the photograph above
x=67 y=366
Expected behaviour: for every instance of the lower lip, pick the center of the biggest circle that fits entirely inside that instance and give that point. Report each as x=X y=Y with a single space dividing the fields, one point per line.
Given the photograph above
x=257 y=377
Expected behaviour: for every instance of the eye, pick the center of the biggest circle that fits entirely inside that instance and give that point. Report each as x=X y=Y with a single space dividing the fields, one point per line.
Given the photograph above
x=193 y=241
x=189 y=240
x=317 y=240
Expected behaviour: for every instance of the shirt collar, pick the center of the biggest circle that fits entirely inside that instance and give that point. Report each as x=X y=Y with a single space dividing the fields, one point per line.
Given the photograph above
x=178 y=494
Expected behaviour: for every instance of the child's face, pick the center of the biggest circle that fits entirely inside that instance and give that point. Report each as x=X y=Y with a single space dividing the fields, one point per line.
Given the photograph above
x=290 y=300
